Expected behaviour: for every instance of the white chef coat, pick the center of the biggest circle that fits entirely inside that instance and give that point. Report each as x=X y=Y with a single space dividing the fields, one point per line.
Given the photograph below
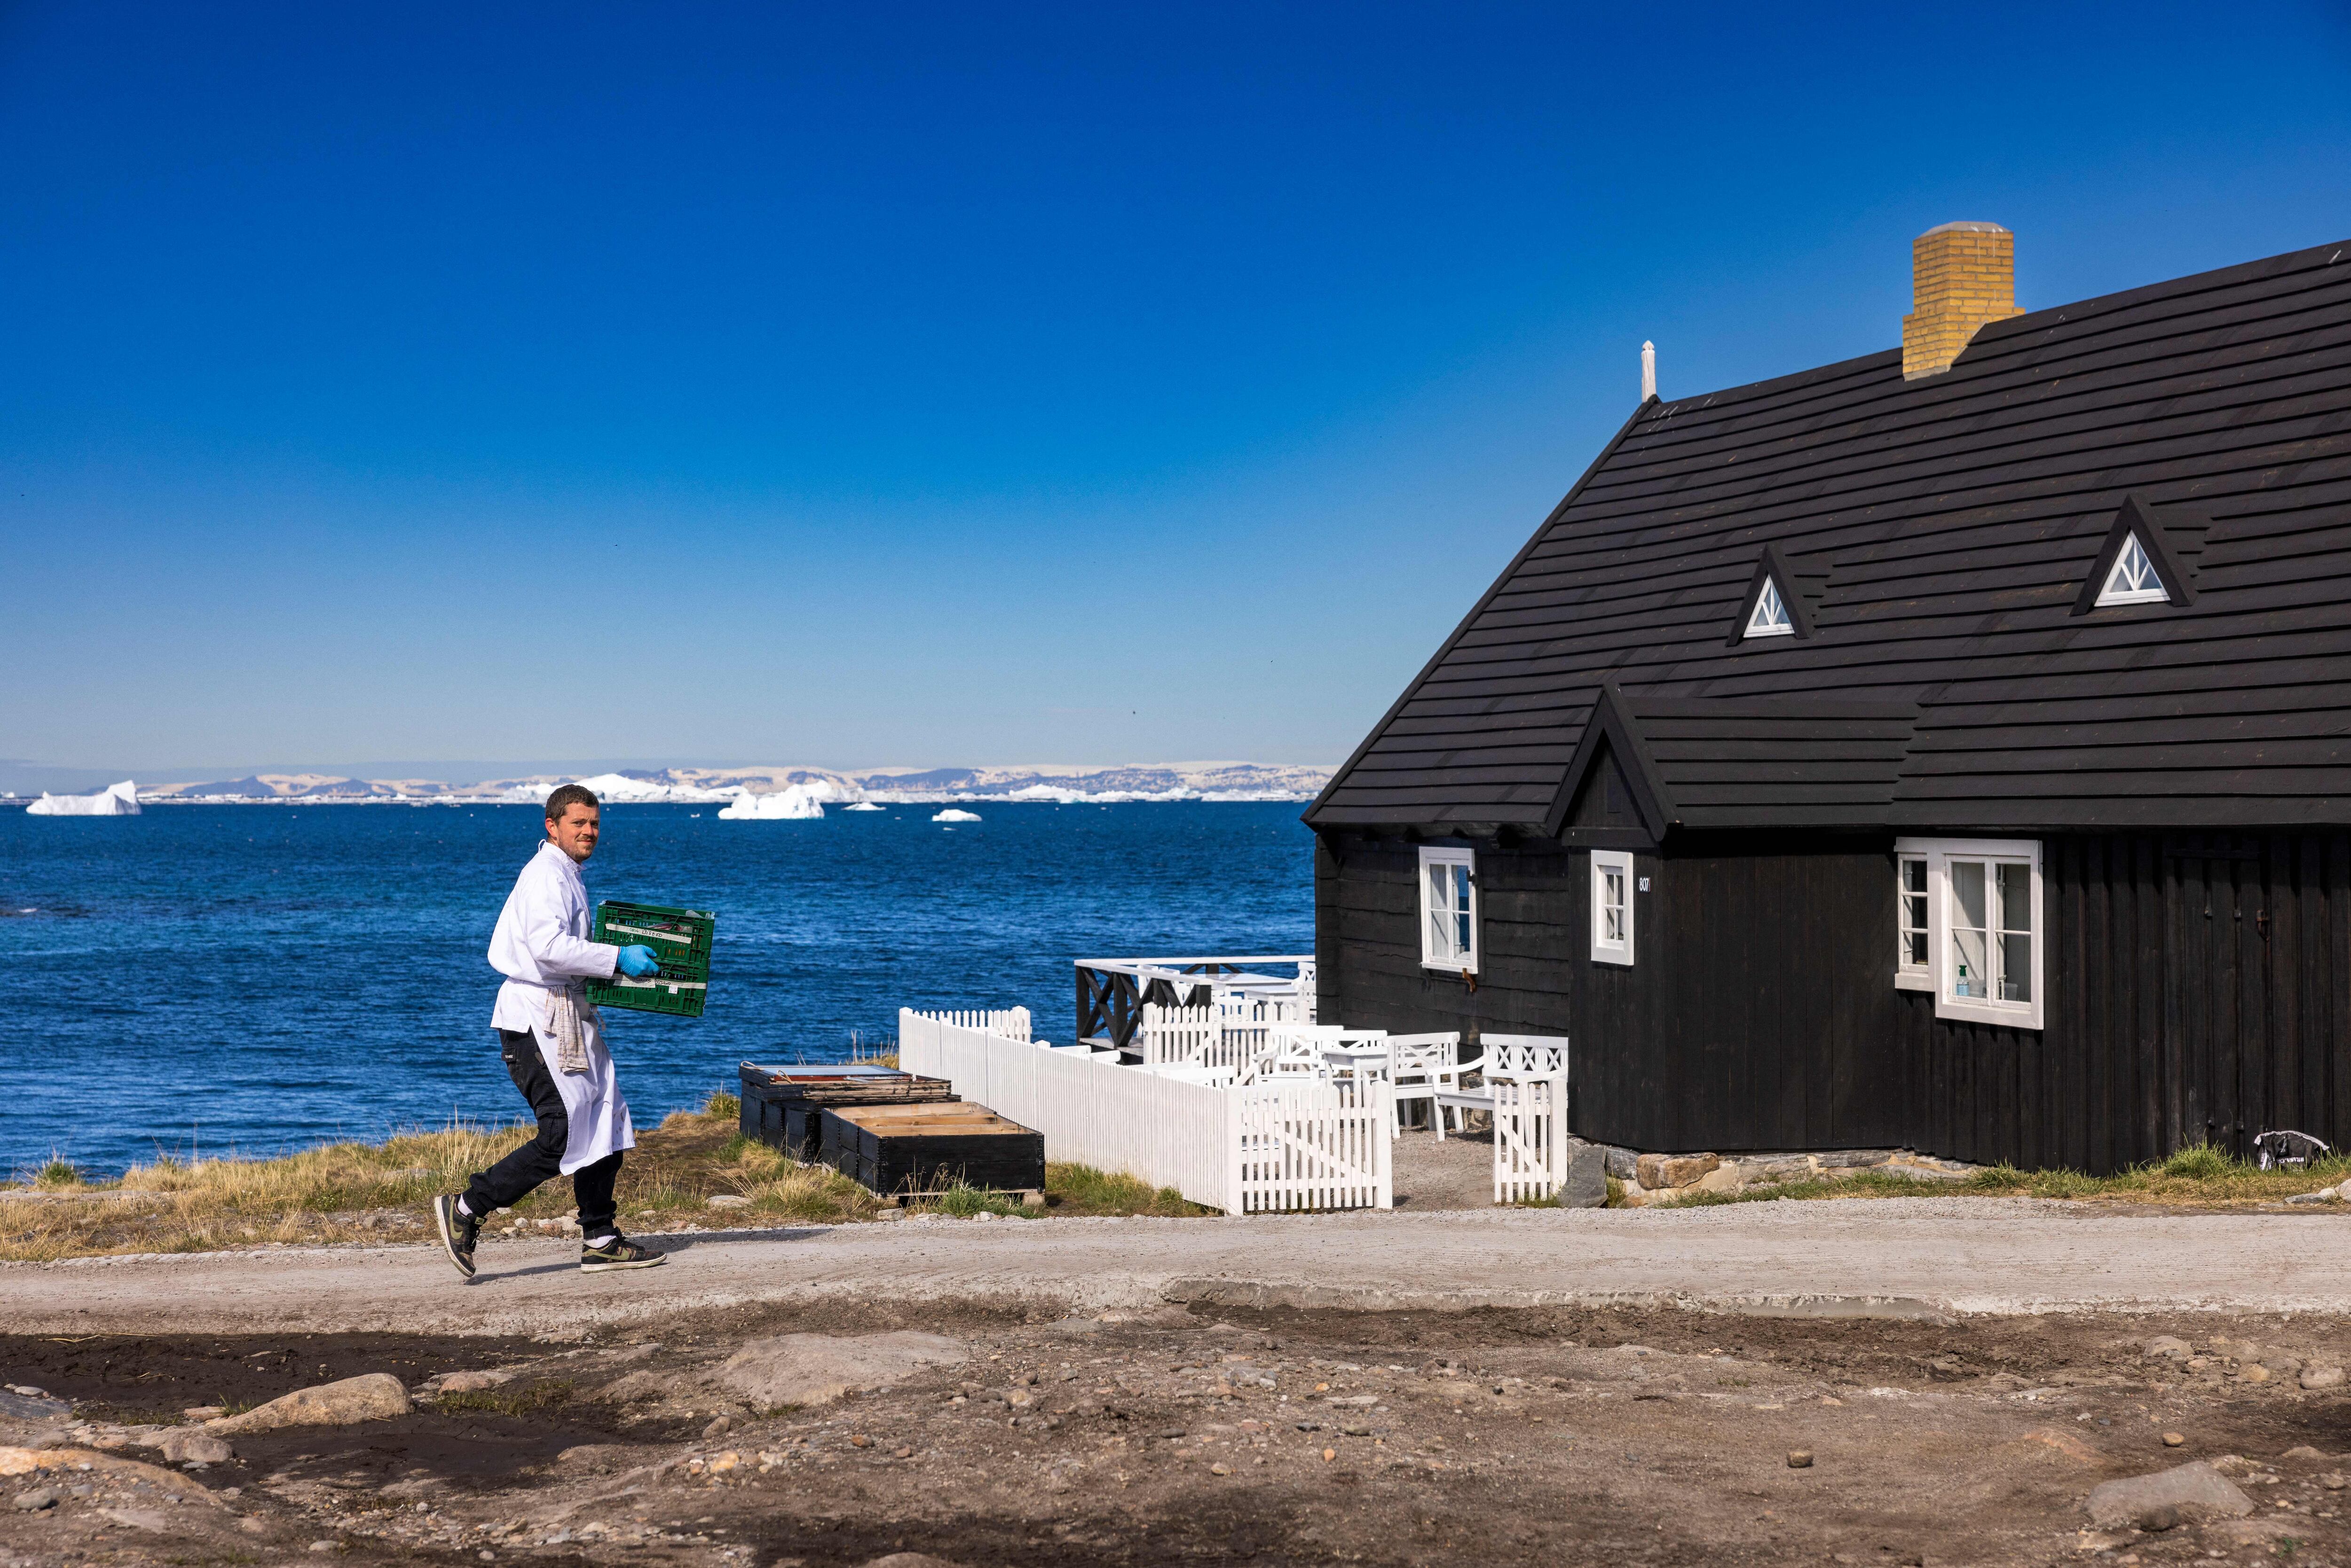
x=540 y=943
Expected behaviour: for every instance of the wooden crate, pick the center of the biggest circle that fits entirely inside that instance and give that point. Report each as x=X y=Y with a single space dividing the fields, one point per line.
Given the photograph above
x=896 y=1149
x=782 y=1106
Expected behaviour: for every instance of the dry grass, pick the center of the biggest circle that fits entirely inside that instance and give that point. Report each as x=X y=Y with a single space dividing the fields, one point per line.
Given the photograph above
x=379 y=1192
x=2198 y=1177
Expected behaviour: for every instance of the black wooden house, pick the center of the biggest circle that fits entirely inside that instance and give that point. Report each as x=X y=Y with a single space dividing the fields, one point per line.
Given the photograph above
x=1948 y=749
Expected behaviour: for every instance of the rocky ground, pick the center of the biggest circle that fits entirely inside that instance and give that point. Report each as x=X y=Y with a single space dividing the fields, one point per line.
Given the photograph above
x=838 y=1433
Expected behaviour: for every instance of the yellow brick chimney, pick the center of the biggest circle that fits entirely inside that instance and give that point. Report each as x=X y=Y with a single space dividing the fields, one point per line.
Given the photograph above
x=1961 y=275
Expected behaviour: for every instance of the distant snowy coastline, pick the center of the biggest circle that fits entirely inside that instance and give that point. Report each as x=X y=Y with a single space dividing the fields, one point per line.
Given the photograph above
x=747 y=791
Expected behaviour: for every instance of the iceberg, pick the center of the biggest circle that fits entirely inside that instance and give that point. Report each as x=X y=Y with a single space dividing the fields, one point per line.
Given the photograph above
x=620 y=790
x=952 y=815
x=863 y=806
x=121 y=801
x=794 y=802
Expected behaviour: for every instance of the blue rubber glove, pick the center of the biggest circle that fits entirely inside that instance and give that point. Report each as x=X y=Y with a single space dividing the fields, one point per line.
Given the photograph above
x=638 y=962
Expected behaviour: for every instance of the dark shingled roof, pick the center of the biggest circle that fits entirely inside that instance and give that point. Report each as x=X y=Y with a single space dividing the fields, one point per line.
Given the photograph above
x=1942 y=530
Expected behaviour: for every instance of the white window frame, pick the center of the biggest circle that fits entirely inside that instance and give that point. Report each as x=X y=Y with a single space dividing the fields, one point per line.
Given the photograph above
x=2116 y=589
x=1910 y=975
x=1758 y=625
x=1939 y=854
x=1606 y=863
x=1433 y=956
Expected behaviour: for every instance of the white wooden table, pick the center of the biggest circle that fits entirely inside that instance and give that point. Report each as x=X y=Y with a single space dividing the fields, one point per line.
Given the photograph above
x=1354 y=1060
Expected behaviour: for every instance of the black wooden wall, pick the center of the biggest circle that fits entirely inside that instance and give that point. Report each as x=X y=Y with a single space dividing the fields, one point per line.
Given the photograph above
x=2197 y=988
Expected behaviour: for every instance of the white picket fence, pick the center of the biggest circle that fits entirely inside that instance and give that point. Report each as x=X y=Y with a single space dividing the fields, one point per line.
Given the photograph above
x=1274 y=1147
x=1011 y=1022
x=1527 y=1076
x=1230 y=1032
x=1314 y=1143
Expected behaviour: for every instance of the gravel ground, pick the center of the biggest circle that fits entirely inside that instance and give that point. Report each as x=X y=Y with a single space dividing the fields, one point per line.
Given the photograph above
x=1927 y=1256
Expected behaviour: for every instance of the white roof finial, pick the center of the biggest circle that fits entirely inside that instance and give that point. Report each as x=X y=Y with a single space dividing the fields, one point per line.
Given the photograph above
x=1649 y=371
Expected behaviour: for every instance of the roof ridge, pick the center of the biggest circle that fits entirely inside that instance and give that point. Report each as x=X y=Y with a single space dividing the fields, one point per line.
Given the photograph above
x=2283 y=262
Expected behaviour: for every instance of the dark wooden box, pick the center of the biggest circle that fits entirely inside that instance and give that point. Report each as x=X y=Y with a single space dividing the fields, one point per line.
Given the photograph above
x=903 y=1149
x=782 y=1105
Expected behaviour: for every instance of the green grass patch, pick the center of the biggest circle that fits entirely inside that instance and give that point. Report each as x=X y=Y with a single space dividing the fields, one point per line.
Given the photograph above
x=1074 y=1190
x=511 y=1399
x=961 y=1201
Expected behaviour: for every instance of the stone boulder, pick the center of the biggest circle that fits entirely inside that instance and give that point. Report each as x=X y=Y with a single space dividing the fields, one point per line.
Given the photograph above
x=469 y=1382
x=182 y=1445
x=2166 y=1497
x=1585 y=1184
x=33 y=1407
x=371 y=1396
x=1661 y=1172
x=816 y=1369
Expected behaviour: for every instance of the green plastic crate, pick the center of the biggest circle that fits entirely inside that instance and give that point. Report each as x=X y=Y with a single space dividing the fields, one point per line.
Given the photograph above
x=679 y=937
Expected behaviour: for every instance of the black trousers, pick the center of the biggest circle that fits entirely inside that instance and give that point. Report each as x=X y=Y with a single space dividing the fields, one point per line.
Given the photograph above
x=512 y=1178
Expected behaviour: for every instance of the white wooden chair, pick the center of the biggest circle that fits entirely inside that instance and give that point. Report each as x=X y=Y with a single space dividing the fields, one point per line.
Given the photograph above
x=1295 y=1049
x=1245 y=1017
x=1516 y=1056
x=1421 y=1066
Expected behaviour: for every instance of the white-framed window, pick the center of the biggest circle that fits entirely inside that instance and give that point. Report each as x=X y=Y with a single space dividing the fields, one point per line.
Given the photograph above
x=2132 y=580
x=1984 y=958
x=1612 y=906
x=1912 y=969
x=1449 y=909
x=1770 y=616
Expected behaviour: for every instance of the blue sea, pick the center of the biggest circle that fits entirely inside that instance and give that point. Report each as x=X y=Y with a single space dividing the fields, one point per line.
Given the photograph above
x=203 y=980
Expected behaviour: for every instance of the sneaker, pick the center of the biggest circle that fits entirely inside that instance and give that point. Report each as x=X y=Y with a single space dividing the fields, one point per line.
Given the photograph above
x=458 y=1231
x=619 y=1253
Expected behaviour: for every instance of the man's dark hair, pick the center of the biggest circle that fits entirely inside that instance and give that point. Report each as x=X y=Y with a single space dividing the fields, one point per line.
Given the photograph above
x=567 y=795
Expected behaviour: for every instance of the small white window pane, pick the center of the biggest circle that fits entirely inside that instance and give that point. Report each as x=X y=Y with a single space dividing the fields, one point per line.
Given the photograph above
x=1967 y=967
x=2015 y=896
x=1968 y=893
x=1460 y=910
x=2015 y=932
x=1971 y=971
x=2016 y=967
x=1914 y=914
x=1440 y=928
x=2132 y=580
x=1770 y=618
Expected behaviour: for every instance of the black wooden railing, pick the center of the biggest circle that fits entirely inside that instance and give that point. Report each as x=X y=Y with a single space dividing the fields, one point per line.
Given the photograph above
x=1111 y=992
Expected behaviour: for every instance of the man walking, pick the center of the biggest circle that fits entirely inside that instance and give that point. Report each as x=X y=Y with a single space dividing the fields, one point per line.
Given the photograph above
x=553 y=1042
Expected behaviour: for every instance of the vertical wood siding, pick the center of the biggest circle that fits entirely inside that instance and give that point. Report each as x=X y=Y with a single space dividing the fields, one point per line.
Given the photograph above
x=2197 y=987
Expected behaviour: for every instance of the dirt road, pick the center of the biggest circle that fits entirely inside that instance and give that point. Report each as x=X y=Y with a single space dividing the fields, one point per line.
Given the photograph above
x=1956 y=1376
x=1916 y=1255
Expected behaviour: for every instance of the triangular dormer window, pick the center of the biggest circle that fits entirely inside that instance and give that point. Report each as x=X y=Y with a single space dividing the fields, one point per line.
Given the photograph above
x=2148 y=557
x=2133 y=579
x=1769 y=617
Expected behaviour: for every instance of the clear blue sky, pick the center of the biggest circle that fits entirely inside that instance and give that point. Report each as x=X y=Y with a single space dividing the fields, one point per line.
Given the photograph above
x=868 y=385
